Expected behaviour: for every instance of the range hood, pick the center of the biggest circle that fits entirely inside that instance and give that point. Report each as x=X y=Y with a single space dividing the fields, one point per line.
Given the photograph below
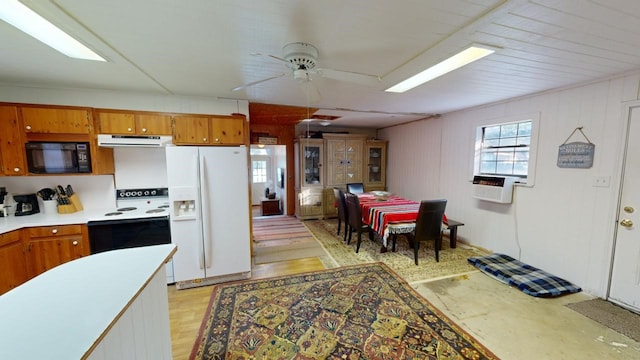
x=105 y=140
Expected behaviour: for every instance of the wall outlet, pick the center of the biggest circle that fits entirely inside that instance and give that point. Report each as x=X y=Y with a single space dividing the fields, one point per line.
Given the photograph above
x=602 y=181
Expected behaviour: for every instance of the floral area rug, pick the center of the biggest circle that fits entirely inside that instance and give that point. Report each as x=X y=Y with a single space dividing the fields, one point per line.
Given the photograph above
x=354 y=312
x=452 y=261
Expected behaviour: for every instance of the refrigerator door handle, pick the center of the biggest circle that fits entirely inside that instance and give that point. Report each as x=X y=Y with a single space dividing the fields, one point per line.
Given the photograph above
x=204 y=212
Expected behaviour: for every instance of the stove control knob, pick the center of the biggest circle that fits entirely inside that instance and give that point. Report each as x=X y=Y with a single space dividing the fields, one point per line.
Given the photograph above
x=146 y=193
x=139 y=193
x=153 y=192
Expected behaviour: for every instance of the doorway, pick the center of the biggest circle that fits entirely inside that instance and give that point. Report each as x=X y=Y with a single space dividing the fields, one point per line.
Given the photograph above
x=624 y=286
x=268 y=177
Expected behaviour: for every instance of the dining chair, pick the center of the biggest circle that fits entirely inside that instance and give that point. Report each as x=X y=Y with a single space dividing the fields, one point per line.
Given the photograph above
x=355 y=188
x=342 y=210
x=429 y=225
x=354 y=218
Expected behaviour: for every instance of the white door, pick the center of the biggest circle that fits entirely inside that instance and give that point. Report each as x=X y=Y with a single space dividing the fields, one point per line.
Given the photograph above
x=260 y=171
x=625 y=276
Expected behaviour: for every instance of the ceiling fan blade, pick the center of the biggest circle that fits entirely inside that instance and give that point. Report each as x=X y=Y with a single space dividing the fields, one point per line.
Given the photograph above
x=257 y=82
x=273 y=57
x=349 y=76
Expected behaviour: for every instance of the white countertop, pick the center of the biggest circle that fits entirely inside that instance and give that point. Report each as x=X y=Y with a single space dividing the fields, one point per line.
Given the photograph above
x=13 y=222
x=61 y=313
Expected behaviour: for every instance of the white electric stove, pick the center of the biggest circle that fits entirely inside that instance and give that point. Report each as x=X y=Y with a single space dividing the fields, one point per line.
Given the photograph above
x=141 y=218
x=139 y=204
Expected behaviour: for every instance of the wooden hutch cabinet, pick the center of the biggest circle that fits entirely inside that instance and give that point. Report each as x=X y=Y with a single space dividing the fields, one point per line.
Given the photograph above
x=334 y=161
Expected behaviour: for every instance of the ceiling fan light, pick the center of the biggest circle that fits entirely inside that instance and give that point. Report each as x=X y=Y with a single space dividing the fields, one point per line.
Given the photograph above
x=26 y=20
x=300 y=75
x=467 y=56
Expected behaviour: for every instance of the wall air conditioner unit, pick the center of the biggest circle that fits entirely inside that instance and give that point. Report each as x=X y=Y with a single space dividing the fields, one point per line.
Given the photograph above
x=493 y=188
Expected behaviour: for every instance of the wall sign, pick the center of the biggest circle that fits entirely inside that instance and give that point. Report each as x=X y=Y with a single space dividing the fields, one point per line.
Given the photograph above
x=267 y=140
x=577 y=155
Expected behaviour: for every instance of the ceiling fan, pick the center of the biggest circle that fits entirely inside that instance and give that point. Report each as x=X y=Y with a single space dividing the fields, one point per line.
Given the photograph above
x=301 y=59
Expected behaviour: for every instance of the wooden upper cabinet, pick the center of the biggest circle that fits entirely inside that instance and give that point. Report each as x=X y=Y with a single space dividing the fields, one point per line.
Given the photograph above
x=132 y=123
x=147 y=124
x=12 y=154
x=56 y=120
x=344 y=158
x=191 y=130
x=209 y=130
x=228 y=130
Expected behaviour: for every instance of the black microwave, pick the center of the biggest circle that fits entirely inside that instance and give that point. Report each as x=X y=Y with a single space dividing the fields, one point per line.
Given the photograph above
x=58 y=158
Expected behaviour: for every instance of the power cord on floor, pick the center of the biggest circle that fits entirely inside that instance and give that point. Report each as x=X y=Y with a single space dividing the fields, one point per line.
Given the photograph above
x=515 y=221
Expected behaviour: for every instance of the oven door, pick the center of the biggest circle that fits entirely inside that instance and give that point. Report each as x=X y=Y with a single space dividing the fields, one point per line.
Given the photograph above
x=128 y=233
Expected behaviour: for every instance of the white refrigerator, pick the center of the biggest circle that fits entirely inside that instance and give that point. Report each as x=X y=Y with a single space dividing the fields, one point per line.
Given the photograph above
x=209 y=214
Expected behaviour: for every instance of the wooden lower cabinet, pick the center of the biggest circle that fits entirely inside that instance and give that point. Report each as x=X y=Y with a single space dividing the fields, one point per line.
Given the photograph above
x=330 y=209
x=13 y=265
x=49 y=246
x=309 y=204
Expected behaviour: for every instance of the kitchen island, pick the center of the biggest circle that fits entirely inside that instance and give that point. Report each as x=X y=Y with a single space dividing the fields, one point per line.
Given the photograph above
x=111 y=305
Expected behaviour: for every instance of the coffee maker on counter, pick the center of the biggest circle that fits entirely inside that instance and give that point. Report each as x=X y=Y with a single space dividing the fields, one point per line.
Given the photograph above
x=26 y=204
x=3 y=206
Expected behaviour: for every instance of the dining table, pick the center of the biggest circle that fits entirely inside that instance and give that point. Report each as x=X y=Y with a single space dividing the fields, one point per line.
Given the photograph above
x=389 y=215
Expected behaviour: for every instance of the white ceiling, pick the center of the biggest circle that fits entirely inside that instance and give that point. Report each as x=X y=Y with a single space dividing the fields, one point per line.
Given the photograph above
x=205 y=48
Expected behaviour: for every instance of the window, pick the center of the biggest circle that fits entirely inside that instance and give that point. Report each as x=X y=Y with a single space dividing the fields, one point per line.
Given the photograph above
x=259 y=171
x=507 y=149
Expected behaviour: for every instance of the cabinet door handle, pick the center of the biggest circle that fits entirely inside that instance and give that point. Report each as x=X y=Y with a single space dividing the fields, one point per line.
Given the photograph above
x=204 y=139
x=75 y=242
x=129 y=129
x=28 y=127
x=217 y=140
x=144 y=130
x=54 y=231
x=16 y=169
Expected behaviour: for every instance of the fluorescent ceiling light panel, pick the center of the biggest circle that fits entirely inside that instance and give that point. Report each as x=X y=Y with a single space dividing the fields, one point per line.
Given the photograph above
x=469 y=55
x=26 y=20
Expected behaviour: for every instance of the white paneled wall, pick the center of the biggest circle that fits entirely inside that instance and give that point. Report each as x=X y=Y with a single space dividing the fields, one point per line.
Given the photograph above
x=563 y=224
x=143 y=330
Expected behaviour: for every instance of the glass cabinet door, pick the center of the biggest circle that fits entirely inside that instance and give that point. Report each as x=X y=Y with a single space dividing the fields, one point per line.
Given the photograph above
x=311 y=164
x=375 y=173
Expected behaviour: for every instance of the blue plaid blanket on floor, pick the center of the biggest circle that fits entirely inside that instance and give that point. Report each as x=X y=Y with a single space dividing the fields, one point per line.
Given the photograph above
x=530 y=280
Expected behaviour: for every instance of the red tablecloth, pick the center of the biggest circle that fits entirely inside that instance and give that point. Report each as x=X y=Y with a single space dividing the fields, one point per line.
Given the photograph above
x=379 y=214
